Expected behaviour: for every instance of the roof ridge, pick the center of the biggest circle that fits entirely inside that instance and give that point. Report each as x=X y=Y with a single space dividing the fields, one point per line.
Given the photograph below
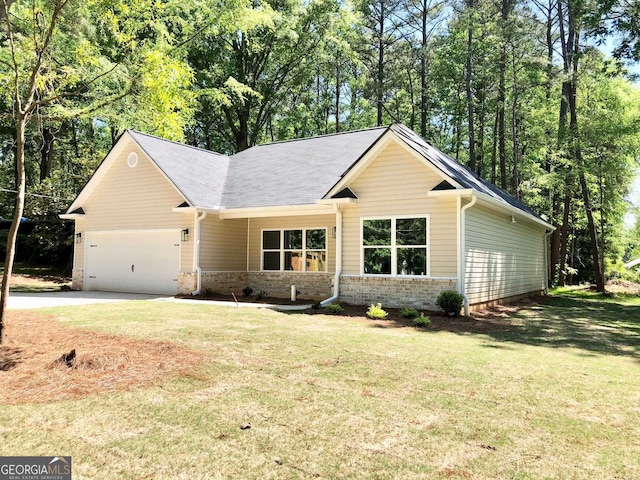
x=155 y=137
x=324 y=135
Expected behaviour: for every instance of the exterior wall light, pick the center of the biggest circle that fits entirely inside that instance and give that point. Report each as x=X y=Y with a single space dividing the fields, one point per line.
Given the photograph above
x=185 y=235
x=79 y=237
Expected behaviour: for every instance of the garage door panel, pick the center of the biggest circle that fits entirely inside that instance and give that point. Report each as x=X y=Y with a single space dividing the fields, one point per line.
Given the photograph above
x=143 y=262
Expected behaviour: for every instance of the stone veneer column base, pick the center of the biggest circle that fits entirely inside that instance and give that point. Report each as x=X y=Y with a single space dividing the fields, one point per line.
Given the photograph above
x=393 y=292
x=77 y=279
x=187 y=282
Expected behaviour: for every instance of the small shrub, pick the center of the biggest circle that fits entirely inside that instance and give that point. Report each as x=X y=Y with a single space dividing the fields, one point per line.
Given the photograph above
x=450 y=302
x=207 y=292
x=261 y=295
x=333 y=308
x=376 y=312
x=409 y=313
x=422 y=321
x=246 y=291
x=315 y=305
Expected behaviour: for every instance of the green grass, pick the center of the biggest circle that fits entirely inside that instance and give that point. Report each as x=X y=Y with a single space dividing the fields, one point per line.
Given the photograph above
x=556 y=395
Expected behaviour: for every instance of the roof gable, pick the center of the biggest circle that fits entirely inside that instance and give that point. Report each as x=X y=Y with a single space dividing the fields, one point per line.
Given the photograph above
x=290 y=173
x=296 y=172
x=198 y=174
x=457 y=172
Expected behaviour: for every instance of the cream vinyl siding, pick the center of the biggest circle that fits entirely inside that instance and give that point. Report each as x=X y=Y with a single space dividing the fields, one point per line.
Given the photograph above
x=78 y=248
x=503 y=259
x=223 y=246
x=257 y=225
x=137 y=198
x=396 y=184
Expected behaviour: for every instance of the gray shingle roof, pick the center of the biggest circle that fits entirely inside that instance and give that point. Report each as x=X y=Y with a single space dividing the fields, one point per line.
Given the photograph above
x=198 y=174
x=296 y=172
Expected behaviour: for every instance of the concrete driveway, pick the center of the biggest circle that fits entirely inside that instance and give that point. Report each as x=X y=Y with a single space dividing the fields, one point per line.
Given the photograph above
x=19 y=300
x=22 y=301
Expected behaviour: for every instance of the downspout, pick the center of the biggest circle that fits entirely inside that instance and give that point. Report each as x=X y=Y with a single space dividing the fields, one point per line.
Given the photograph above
x=196 y=255
x=336 y=281
x=547 y=234
x=462 y=258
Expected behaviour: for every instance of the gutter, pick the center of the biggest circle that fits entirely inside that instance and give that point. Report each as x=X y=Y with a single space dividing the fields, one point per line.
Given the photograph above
x=196 y=254
x=336 y=281
x=461 y=259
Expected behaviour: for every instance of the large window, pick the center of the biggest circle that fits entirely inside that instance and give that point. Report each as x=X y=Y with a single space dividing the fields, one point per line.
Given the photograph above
x=395 y=246
x=301 y=250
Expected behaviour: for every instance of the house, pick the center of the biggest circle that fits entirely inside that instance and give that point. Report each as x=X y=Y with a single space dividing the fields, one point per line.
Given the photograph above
x=376 y=215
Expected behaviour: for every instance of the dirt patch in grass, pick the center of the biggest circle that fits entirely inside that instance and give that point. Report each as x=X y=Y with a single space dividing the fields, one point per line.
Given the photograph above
x=624 y=287
x=30 y=373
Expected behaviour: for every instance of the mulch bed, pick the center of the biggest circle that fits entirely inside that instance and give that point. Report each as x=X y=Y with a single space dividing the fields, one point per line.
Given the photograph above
x=489 y=319
x=30 y=372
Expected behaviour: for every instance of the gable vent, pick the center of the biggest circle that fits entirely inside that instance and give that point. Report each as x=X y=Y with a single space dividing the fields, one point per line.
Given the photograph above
x=444 y=185
x=132 y=159
x=345 y=193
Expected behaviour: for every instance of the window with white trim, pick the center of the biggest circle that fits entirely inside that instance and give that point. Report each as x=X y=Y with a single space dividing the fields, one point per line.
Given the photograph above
x=395 y=246
x=299 y=250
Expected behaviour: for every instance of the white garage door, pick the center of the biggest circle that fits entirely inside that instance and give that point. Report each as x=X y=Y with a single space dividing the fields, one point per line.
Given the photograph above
x=145 y=261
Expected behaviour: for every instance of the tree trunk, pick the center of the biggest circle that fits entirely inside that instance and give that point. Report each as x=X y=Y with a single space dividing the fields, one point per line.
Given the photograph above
x=8 y=6
x=468 y=87
x=380 y=73
x=502 y=150
x=576 y=149
x=494 y=148
x=502 y=66
x=481 y=126
x=46 y=153
x=338 y=97
x=566 y=47
x=564 y=233
x=423 y=71
x=515 y=127
x=553 y=194
x=12 y=235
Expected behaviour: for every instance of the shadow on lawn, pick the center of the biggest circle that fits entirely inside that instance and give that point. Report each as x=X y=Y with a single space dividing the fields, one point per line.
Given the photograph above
x=593 y=325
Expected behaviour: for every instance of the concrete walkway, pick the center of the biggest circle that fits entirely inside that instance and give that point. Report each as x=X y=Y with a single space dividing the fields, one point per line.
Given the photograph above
x=21 y=301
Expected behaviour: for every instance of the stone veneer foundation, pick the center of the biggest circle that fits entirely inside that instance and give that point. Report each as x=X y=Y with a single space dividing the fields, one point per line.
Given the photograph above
x=312 y=286
x=418 y=293
x=393 y=292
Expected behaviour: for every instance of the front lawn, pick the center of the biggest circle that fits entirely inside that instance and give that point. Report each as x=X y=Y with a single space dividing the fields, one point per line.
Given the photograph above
x=552 y=392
